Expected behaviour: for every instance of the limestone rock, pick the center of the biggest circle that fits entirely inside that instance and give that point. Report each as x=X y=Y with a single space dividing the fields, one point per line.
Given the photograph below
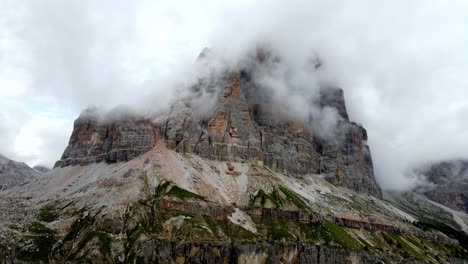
x=171 y=252
x=246 y=126
x=95 y=140
x=242 y=123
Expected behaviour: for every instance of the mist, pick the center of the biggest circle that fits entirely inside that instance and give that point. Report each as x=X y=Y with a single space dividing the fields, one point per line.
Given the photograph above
x=402 y=66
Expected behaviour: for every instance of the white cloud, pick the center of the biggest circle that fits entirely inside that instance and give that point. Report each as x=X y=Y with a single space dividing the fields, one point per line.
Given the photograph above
x=402 y=64
x=41 y=140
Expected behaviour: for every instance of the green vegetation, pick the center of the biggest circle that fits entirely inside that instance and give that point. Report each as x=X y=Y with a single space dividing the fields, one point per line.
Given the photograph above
x=161 y=189
x=183 y=194
x=144 y=222
x=103 y=241
x=280 y=232
x=295 y=199
x=50 y=212
x=78 y=226
x=43 y=239
x=278 y=197
x=461 y=236
x=262 y=197
x=148 y=222
x=315 y=232
x=47 y=214
x=235 y=232
x=38 y=228
x=405 y=247
x=14 y=227
x=175 y=191
x=342 y=237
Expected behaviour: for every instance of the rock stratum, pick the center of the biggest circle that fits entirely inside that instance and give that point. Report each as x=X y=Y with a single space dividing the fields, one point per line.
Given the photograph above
x=95 y=140
x=226 y=175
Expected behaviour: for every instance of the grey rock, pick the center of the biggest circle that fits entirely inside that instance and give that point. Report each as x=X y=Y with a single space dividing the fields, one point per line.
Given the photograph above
x=14 y=173
x=245 y=127
x=95 y=140
x=164 y=251
x=242 y=124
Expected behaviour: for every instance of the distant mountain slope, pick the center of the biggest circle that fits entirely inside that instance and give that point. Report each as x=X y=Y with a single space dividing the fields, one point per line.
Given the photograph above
x=14 y=173
x=447 y=183
x=41 y=169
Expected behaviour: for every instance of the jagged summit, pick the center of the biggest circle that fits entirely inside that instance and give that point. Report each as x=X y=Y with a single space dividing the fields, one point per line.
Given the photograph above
x=243 y=124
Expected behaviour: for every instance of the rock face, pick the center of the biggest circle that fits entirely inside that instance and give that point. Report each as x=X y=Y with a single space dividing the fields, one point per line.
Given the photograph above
x=14 y=173
x=447 y=184
x=94 y=140
x=242 y=124
x=246 y=126
x=155 y=251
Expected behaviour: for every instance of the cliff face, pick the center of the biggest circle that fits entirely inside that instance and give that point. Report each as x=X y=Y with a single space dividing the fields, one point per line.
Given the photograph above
x=94 y=140
x=245 y=125
x=170 y=207
x=447 y=184
x=155 y=251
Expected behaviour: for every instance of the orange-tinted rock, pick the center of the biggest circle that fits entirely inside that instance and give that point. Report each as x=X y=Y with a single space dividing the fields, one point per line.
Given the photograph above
x=245 y=126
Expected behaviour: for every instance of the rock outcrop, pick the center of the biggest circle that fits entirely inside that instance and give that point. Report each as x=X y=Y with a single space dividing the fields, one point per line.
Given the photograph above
x=222 y=212
x=447 y=184
x=94 y=140
x=245 y=125
x=14 y=173
x=157 y=251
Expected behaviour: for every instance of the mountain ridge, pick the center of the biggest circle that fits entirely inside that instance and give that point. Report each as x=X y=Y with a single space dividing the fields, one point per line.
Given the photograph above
x=13 y=173
x=446 y=182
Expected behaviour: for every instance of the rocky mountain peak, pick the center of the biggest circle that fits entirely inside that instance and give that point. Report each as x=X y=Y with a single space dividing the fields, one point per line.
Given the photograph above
x=241 y=122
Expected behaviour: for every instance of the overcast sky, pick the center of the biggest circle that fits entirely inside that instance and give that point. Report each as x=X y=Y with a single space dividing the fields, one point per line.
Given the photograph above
x=402 y=64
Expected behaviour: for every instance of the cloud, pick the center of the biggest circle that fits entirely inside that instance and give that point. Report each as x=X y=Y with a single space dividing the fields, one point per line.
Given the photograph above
x=402 y=64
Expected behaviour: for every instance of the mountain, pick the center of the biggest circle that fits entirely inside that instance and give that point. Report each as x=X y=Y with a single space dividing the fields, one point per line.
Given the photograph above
x=14 y=173
x=446 y=183
x=41 y=169
x=233 y=179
